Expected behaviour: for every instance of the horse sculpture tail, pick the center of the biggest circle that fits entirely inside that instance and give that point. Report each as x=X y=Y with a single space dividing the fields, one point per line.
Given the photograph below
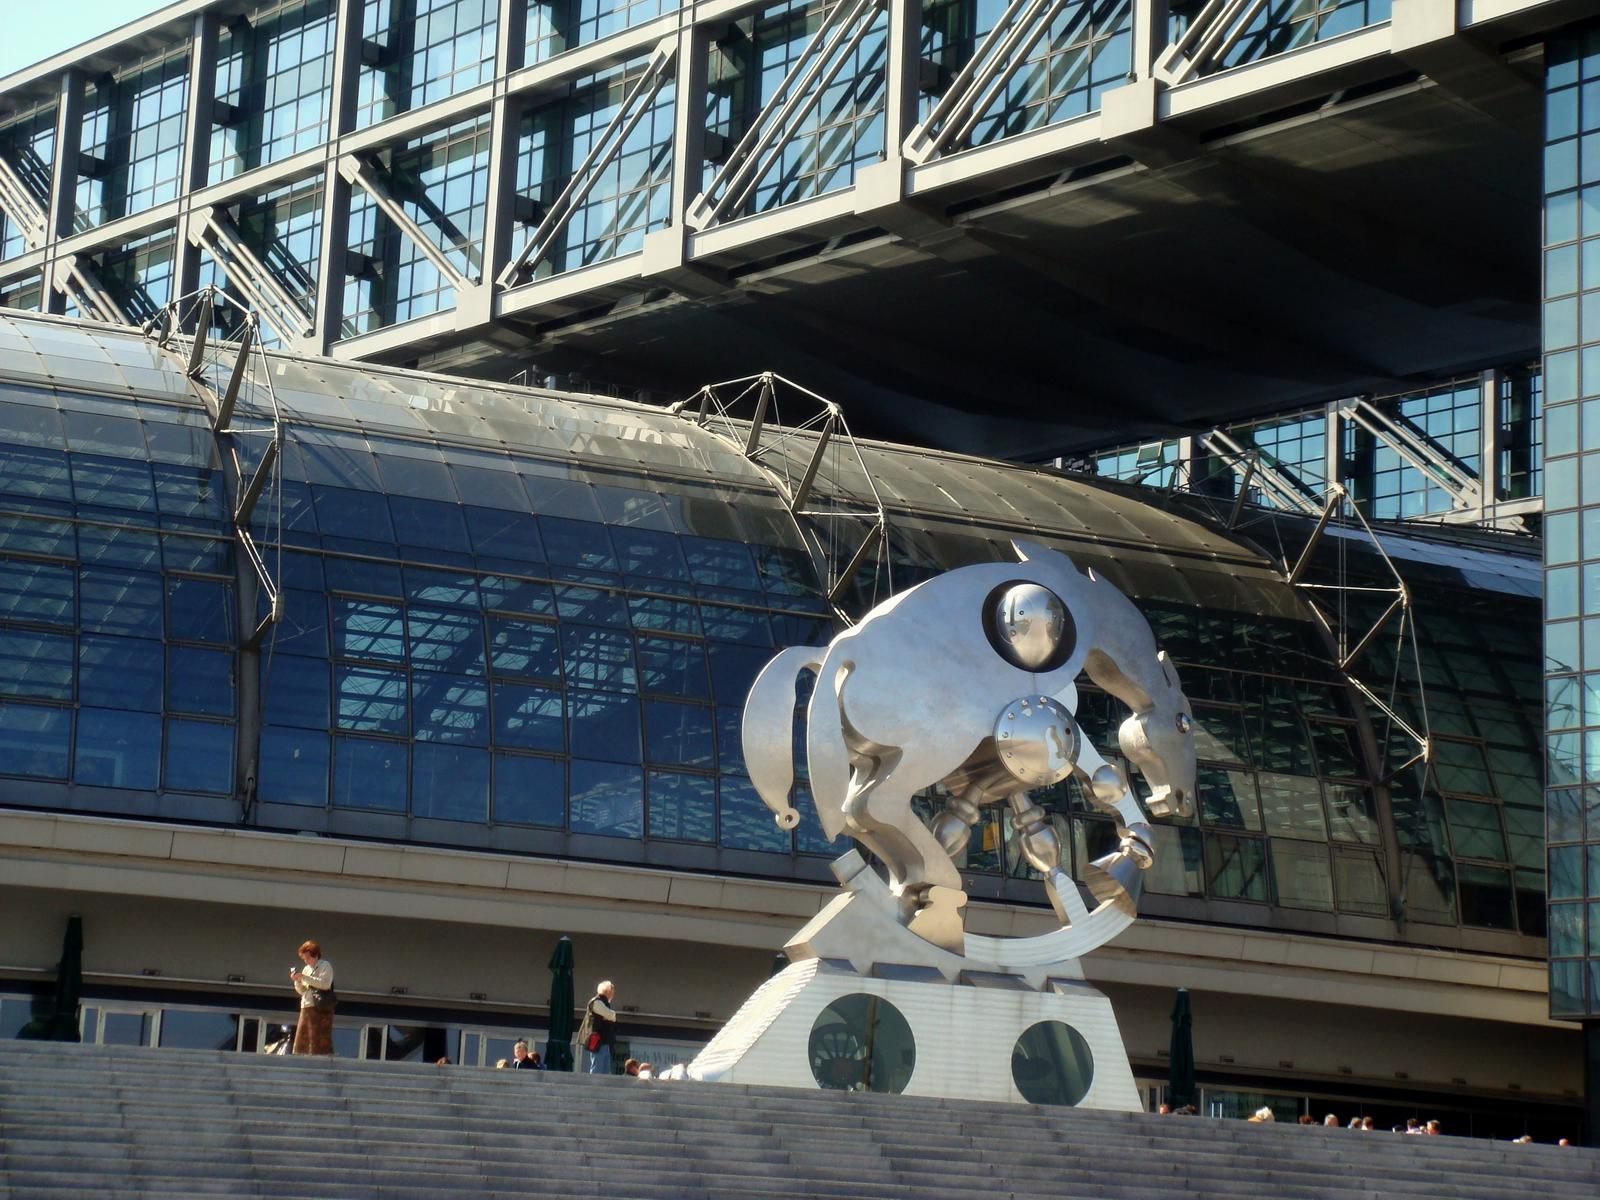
x=768 y=729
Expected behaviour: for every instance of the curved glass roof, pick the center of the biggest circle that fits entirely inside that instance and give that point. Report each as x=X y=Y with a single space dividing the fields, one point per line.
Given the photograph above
x=527 y=621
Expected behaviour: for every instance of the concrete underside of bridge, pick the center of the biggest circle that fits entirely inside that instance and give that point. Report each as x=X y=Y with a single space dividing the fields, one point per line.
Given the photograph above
x=1353 y=242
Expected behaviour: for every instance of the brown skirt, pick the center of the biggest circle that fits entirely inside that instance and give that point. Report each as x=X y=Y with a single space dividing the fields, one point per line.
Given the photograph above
x=314 y=1034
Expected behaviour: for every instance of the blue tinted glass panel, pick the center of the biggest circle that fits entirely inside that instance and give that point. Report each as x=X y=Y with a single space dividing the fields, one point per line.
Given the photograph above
x=303 y=628
x=746 y=625
x=529 y=718
x=683 y=807
x=603 y=726
x=730 y=744
x=347 y=513
x=530 y=791
x=121 y=602
x=734 y=668
x=117 y=749
x=295 y=691
x=358 y=575
x=433 y=524
x=607 y=798
x=664 y=615
x=37 y=474
x=445 y=639
x=368 y=629
x=599 y=658
x=585 y=544
x=507 y=593
x=594 y=606
x=747 y=822
x=798 y=629
x=199 y=756
x=714 y=562
x=27 y=528
x=509 y=536
x=199 y=610
x=649 y=554
x=369 y=773
x=34 y=740
x=678 y=735
x=450 y=783
x=115 y=483
x=450 y=708
x=106 y=545
x=200 y=681
x=294 y=767
x=672 y=667
x=38 y=592
x=371 y=699
x=531 y=649
x=36 y=664
x=117 y=672
x=428 y=586
x=190 y=492
x=207 y=555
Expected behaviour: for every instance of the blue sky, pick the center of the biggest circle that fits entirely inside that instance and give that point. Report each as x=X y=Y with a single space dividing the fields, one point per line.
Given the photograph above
x=36 y=29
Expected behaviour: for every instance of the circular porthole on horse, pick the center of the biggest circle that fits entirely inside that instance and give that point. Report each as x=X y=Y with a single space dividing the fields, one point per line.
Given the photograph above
x=861 y=1043
x=1051 y=1064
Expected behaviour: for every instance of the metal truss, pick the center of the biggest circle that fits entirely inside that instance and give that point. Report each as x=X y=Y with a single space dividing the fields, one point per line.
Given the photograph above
x=607 y=148
x=1460 y=484
x=1328 y=602
x=70 y=276
x=1212 y=32
x=364 y=174
x=825 y=54
x=841 y=533
x=215 y=233
x=22 y=208
x=1256 y=470
x=982 y=81
x=235 y=384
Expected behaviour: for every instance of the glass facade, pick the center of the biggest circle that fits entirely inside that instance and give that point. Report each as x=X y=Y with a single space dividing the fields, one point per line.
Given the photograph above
x=1086 y=50
x=1282 y=25
x=441 y=181
x=1572 y=524
x=490 y=641
x=132 y=139
x=555 y=26
x=416 y=51
x=631 y=195
x=1447 y=418
x=274 y=83
x=27 y=144
x=839 y=132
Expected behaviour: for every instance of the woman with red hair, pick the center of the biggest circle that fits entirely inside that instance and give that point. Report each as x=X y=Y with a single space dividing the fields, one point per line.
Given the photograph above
x=314 y=982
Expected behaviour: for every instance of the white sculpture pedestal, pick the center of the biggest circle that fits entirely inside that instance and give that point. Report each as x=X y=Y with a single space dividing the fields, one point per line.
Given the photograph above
x=867 y=1005
x=990 y=1038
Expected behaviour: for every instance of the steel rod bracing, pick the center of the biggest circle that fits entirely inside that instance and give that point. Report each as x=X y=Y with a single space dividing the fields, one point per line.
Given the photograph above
x=842 y=522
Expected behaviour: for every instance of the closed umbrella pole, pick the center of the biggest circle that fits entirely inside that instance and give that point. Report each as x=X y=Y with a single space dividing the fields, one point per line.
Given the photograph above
x=56 y=1019
x=558 y=1049
x=1180 y=1077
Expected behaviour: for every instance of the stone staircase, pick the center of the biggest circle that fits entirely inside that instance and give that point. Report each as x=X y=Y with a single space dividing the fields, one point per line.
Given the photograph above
x=115 y=1122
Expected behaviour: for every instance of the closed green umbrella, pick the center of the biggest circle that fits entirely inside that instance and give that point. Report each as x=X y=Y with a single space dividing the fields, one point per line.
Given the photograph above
x=1180 y=1073
x=558 y=1050
x=56 y=1020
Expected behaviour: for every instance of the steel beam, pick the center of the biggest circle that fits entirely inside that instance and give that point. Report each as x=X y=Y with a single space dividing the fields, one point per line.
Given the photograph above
x=196 y=145
x=328 y=318
x=251 y=276
x=635 y=104
x=362 y=175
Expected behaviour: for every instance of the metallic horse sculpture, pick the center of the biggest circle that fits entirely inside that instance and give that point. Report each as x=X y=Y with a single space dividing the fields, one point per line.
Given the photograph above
x=968 y=681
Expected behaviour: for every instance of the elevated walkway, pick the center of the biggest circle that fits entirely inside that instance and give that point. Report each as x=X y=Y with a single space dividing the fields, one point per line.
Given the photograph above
x=98 y=1122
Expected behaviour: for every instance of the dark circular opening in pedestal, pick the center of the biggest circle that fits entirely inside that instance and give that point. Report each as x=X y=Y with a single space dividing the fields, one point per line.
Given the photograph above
x=861 y=1043
x=1051 y=1064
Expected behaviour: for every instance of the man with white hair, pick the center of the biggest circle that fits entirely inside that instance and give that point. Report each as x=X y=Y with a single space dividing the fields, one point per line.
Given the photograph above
x=598 y=1032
